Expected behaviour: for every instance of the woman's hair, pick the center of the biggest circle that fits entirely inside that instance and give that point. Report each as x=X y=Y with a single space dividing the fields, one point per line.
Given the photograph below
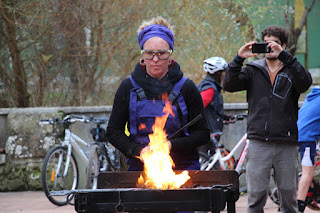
x=158 y=20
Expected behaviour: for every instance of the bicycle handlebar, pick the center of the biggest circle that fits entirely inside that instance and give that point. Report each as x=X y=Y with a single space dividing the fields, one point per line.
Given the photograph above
x=71 y=119
x=236 y=117
x=233 y=119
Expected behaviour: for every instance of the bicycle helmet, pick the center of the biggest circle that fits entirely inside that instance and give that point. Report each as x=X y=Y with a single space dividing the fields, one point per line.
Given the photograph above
x=214 y=64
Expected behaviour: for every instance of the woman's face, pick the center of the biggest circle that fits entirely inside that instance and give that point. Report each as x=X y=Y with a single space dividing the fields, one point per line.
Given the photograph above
x=155 y=67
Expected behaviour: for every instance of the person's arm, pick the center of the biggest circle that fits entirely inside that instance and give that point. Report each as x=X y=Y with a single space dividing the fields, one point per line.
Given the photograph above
x=236 y=77
x=199 y=132
x=302 y=79
x=207 y=96
x=118 y=119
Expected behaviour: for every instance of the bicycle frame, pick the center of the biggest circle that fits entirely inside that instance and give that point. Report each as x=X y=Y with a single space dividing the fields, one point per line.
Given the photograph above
x=218 y=157
x=70 y=141
x=243 y=152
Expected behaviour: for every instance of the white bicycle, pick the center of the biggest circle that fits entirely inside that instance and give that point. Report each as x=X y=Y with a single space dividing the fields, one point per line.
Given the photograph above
x=221 y=158
x=60 y=170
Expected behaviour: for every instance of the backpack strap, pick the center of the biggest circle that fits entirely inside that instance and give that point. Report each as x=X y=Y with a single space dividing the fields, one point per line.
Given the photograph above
x=138 y=89
x=135 y=93
x=138 y=92
x=175 y=94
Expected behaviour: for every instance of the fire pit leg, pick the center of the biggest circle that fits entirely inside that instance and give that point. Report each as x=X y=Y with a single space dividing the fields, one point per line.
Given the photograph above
x=232 y=197
x=218 y=200
x=231 y=207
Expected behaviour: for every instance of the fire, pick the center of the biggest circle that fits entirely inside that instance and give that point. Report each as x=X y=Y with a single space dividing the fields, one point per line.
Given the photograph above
x=158 y=172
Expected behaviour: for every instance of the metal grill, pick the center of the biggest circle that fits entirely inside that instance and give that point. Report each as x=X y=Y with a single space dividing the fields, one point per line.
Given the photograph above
x=204 y=191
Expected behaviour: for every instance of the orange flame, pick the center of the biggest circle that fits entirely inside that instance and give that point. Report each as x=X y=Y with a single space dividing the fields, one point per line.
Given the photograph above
x=158 y=172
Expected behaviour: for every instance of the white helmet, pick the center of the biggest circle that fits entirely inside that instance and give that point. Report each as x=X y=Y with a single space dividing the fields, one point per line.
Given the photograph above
x=214 y=64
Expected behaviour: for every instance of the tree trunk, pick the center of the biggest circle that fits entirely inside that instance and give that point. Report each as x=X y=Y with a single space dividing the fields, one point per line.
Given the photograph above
x=294 y=33
x=20 y=79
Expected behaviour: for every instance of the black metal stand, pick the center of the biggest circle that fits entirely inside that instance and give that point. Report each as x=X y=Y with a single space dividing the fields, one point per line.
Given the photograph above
x=205 y=191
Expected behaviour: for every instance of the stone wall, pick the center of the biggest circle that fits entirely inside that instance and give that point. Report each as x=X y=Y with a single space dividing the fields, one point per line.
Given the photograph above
x=26 y=142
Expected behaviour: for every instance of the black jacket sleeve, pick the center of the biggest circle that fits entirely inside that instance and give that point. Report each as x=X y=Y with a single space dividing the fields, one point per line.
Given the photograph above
x=236 y=77
x=302 y=79
x=118 y=120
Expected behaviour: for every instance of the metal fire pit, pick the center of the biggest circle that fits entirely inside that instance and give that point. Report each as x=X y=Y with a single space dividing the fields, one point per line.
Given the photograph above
x=204 y=191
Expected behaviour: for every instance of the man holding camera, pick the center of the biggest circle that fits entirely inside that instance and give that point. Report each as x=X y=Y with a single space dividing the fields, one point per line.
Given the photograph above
x=273 y=86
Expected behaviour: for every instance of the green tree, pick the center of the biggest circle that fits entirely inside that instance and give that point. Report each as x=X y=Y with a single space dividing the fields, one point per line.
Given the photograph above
x=73 y=52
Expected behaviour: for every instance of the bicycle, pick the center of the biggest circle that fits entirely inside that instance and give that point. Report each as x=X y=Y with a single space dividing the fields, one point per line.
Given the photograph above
x=60 y=169
x=222 y=158
x=99 y=159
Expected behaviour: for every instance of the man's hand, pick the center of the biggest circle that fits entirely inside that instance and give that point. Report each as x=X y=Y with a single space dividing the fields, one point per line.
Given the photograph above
x=227 y=118
x=245 y=51
x=276 y=49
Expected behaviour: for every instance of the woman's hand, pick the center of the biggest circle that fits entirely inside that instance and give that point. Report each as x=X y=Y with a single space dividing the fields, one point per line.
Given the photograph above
x=169 y=144
x=147 y=149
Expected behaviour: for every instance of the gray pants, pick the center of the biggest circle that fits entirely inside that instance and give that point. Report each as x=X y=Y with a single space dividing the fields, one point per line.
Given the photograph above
x=262 y=157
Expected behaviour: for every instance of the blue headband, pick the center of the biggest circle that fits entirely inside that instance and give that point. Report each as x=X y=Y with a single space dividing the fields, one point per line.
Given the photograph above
x=156 y=30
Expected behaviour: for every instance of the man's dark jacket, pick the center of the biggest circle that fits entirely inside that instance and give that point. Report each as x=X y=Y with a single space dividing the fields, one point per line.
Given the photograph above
x=272 y=109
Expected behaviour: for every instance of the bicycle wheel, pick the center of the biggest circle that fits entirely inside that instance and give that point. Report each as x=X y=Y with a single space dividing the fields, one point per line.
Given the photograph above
x=53 y=177
x=242 y=181
x=113 y=158
x=273 y=195
x=93 y=168
x=204 y=160
x=273 y=190
x=313 y=195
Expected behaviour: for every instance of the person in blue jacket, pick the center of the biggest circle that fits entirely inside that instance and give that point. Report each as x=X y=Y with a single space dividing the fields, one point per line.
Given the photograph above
x=309 y=133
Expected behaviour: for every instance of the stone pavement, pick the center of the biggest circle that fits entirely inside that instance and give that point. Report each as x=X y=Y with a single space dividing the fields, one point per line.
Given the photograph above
x=36 y=202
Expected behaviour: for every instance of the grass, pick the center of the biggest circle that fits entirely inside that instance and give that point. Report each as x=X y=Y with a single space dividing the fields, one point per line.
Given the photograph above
x=234 y=97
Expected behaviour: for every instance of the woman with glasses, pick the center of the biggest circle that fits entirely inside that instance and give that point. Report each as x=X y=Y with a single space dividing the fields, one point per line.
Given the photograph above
x=139 y=99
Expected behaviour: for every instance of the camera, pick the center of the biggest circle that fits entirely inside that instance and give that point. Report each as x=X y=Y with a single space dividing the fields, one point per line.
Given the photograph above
x=261 y=48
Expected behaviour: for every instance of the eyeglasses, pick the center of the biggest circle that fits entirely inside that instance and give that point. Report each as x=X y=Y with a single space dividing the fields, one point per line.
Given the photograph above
x=161 y=54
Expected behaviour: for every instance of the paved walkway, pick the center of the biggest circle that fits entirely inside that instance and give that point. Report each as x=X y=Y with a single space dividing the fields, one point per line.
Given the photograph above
x=36 y=202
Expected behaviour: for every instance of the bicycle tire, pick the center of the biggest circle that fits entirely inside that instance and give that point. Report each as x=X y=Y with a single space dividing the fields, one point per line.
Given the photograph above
x=113 y=157
x=273 y=195
x=313 y=196
x=93 y=169
x=51 y=181
x=242 y=182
